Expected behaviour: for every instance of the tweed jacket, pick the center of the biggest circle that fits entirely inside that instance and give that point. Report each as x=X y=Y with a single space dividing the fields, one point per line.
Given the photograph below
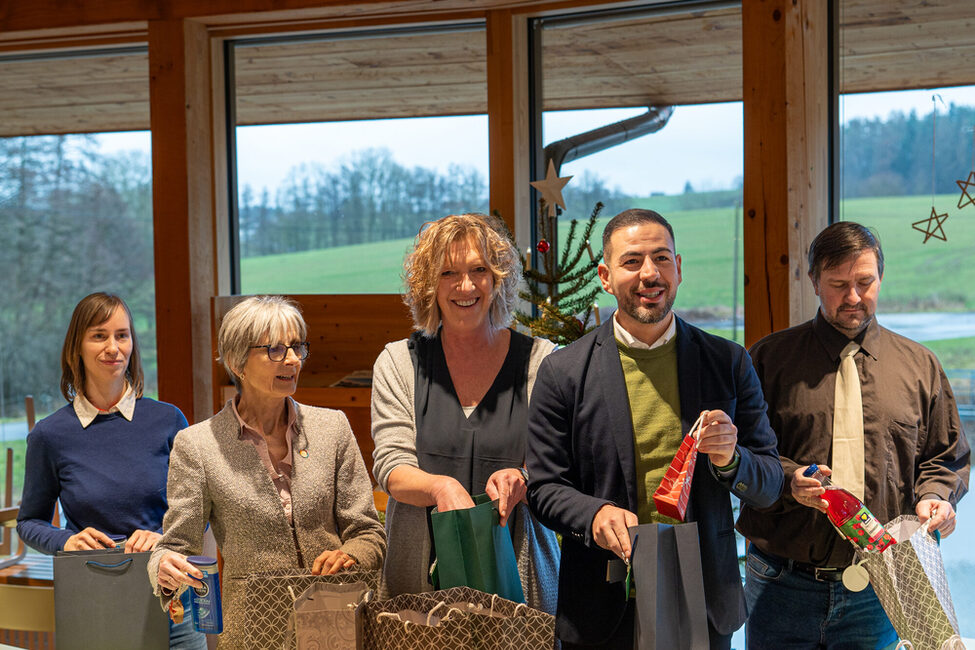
x=217 y=478
x=394 y=432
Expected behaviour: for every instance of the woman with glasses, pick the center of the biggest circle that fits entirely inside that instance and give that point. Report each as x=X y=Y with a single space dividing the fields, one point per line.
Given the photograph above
x=84 y=453
x=450 y=404
x=282 y=485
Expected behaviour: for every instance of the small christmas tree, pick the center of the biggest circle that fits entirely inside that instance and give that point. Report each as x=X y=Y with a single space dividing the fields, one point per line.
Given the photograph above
x=565 y=290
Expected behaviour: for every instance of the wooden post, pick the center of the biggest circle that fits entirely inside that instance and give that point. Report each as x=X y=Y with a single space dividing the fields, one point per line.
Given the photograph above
x=785 y=63
x=184 y=226
x=507 y=87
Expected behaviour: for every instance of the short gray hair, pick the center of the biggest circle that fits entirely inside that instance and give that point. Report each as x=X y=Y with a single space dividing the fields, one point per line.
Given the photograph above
x=272 y=317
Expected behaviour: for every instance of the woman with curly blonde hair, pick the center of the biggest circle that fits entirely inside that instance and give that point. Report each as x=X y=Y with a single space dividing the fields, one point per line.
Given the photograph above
x=450 y=404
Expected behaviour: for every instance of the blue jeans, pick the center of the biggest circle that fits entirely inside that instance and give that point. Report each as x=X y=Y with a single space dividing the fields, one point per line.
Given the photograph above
x=789 y=609
x=184 y=636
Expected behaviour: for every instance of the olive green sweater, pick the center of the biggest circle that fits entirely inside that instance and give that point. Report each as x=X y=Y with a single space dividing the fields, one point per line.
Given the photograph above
x=651 y=384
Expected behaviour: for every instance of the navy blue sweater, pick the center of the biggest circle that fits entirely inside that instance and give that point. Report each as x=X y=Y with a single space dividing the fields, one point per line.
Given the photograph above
x=110 y=476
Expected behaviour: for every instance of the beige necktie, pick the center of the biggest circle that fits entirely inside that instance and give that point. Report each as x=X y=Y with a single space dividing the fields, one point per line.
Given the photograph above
x=848 y=425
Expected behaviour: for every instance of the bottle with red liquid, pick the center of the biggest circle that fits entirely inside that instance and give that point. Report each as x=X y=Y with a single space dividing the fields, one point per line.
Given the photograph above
x=851 y=517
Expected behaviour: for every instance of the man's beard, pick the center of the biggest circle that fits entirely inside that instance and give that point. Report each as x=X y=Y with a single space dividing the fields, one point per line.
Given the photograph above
x=839 y=323
x=648 y=315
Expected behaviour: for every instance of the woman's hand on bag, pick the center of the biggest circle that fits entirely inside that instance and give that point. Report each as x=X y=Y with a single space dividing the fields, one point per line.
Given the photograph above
x=719 y=437
x=142 y=540
x=941 y=514
x=809 y=491
x=173 y=570
x=90 y=539
x=451 y=495
x=508 y=487
x=610 y=529
x=331 y=562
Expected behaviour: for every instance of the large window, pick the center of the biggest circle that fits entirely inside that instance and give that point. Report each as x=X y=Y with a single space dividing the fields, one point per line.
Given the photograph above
x=362 y=138
x=75 y=215
x=690 y=171
x=623 y=86
x=895 y=169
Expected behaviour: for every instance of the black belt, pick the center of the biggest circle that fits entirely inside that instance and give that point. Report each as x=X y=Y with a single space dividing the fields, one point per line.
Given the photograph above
x=823 y=574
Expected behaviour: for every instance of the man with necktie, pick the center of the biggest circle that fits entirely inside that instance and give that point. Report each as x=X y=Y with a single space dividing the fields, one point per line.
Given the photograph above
x=874 y=410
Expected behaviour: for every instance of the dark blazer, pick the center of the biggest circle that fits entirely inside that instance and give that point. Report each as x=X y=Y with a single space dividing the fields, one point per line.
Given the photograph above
x=580 y=457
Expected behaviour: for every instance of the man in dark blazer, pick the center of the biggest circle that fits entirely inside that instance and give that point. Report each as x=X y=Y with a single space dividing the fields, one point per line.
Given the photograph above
x=607 y=415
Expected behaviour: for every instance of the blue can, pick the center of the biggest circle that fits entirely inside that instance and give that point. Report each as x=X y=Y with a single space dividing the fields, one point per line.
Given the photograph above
x=205 y=600
x=119 y=541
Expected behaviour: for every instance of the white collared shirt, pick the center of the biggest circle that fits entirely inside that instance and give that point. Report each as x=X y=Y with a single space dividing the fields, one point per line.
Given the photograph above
x=631 y=341
x=87 y=412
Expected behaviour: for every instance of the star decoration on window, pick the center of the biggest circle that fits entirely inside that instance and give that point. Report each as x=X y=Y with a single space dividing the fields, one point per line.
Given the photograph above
x=932 y=226
x=551 y=189
x=966 y=198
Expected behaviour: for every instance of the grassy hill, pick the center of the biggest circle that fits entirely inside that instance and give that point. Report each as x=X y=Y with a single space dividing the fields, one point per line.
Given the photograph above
x=933 y=276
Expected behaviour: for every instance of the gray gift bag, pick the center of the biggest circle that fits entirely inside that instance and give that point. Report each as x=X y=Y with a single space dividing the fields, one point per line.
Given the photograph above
x=325 y=615
x=671 y=613
x=103 y=600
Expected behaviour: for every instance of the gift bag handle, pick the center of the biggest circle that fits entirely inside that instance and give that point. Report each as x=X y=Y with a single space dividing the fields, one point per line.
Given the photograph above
x=103 y=565
x=695 y=431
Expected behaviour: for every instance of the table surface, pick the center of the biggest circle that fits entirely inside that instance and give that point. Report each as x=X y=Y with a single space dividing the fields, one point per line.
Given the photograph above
x=34 y=570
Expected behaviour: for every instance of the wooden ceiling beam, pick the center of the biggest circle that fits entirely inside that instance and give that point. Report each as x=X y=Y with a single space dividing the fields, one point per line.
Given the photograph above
x=786 y=143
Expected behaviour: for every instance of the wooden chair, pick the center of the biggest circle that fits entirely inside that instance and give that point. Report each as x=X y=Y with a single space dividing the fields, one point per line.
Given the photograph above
x=8 y=520
x=26 y=611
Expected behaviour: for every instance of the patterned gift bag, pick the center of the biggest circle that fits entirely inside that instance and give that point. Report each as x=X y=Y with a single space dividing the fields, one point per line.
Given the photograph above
x=459 y=618
x=671 y=497
x=270 y=603
x=909 y=579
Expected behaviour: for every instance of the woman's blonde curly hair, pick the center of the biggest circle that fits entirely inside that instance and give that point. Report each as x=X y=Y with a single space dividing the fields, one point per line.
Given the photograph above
x=422 y=268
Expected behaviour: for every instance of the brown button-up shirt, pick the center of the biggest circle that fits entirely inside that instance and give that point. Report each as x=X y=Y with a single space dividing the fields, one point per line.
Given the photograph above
x=914 y=446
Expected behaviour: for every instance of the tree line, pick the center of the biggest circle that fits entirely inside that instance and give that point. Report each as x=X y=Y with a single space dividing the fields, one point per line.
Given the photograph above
x=72 y=221
x=893 y=156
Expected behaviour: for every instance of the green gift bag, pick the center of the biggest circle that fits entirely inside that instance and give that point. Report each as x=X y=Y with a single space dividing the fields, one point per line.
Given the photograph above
x=473 y=550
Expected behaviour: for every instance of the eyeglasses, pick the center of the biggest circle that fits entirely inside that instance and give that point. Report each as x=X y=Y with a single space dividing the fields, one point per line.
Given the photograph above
x=280 y=351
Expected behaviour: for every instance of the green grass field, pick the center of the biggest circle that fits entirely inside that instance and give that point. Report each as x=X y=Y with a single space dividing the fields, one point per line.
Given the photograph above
x=933 y=276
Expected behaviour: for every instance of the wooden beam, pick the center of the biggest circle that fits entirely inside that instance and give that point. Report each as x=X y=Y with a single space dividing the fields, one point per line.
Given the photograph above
x=186 y=275
x=785 y=63
x=507 y=84
x=51 y=15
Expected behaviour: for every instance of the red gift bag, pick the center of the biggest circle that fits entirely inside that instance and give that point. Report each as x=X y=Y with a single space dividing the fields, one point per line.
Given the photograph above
x=674 y=491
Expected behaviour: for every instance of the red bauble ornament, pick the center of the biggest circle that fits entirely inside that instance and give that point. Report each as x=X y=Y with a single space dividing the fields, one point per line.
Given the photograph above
x=542 y=246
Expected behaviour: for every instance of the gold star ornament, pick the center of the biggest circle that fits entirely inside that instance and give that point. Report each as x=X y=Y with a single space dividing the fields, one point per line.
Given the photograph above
x=966 y=198
x=932 y=226
x=551 y=189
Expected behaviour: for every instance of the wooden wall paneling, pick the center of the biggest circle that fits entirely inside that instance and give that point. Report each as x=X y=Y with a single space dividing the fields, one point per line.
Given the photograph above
x=183 y=211
x=357 y=78
x=784 y=84
x=74 y=95
x=17 y=15
x=508 y=120
x=669 y=59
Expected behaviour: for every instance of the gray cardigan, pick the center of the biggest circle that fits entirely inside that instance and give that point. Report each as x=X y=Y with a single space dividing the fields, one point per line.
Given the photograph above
x=216 y=477
x=394 y=433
